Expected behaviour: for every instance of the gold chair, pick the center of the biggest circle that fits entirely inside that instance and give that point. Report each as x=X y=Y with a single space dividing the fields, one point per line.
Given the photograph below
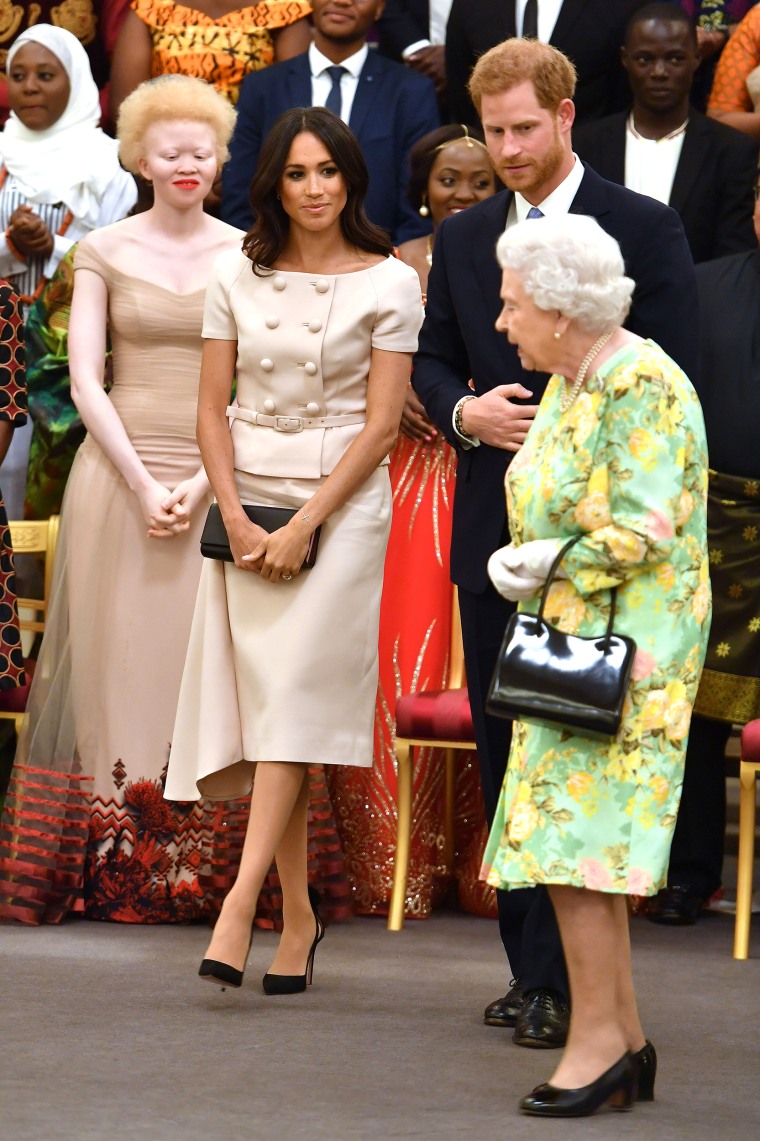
x=749 y=768
x=30 y=537
x=438 y=719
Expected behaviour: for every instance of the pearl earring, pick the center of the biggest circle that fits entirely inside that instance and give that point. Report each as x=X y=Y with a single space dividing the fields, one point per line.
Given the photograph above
x=423 y=210
x=556 y=335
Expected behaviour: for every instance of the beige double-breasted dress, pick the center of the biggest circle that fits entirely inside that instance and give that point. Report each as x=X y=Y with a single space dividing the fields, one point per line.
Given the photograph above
x=287 y=671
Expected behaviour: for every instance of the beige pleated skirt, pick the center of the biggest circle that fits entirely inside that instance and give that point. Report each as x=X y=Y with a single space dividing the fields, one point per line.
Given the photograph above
x=284 y=671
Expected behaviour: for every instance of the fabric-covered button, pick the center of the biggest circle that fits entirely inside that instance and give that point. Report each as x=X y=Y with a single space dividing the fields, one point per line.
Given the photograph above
x=269 y=405
x=310 y=368
x=278 y=283
x=321 y=285
x=267 y=365
x=272 y=322
x=312 y=408
x=315 y=326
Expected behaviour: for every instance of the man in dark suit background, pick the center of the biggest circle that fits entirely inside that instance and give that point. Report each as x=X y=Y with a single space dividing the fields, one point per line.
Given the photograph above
x=588 y=31
x=524 y=90
x=664 y=148
x=414 y=31
x=386 y=105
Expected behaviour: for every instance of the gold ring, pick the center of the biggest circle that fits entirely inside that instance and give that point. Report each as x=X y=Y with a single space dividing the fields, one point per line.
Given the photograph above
x=286 y=577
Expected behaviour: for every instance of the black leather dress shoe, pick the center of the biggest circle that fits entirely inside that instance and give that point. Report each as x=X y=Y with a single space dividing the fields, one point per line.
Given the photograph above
x=676 y=906
x=543 y=1021
x=505 y=1011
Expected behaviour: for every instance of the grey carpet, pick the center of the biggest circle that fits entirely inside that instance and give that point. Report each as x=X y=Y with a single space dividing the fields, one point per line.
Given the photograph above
x=106 y=1033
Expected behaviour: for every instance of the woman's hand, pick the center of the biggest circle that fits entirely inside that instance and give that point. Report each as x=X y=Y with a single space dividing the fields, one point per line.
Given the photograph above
x=29 y=233
x=184 y=499
x=152 y=495
x=281 y=554
x=414 y=421
x=245 y=537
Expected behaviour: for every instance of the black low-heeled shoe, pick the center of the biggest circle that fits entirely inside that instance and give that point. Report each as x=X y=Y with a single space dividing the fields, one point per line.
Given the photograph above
x=645 y=1061
x=295 y=984
x=212 y=971
x=616 y=1087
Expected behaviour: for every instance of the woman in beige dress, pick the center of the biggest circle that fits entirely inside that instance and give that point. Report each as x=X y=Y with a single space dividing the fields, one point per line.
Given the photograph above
x=319 y=323
x=87 y=828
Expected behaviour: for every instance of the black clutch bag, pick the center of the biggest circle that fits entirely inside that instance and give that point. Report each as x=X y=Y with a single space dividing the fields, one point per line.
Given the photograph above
x=543 y=674
x=216 y=545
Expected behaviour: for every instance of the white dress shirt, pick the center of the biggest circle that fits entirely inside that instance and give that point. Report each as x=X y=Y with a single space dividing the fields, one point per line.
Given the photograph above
x=548 y=11
x=558 y=202
x=321 y=83
x=650 y=164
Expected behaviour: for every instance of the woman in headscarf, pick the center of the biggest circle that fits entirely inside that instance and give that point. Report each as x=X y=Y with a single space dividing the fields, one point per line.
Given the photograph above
x=60 y=179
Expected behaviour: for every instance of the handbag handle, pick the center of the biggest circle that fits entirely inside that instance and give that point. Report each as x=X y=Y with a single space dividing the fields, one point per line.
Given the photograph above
x=550 y=579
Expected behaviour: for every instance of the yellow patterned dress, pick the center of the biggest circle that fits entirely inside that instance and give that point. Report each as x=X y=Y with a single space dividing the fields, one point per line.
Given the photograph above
x=627 y=465
x=223 y=50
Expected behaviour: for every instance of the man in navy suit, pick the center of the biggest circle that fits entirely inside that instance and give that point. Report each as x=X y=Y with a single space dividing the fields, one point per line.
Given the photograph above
x=523 y=90
x=386 y=105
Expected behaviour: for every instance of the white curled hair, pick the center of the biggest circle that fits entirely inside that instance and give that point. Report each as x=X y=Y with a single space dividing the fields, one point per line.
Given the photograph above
x=571 y=264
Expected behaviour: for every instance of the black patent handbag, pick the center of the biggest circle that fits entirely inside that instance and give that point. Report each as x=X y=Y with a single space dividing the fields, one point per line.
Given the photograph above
x=546 y=675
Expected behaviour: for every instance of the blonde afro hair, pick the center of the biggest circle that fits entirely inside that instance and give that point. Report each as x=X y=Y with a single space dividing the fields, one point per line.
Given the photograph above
x=171 y=97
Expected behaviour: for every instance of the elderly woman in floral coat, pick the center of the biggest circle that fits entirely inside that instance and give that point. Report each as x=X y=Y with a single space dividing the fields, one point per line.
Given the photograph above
x=617 y=456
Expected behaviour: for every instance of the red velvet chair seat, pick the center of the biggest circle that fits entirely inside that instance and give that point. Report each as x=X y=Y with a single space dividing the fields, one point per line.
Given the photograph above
x=438 y=715
x=751 y=742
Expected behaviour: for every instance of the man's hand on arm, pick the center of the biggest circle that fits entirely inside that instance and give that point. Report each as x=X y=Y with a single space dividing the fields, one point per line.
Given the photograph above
x=495 y=419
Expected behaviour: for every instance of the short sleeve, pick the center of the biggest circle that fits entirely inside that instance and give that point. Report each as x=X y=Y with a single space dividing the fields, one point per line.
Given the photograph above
x=87 y=257
x=219 y=322
x=399 y=307
x=12 y=362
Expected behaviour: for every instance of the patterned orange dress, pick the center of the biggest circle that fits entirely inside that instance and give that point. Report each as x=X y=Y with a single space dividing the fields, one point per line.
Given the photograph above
x=222 y=51
x=738 y=60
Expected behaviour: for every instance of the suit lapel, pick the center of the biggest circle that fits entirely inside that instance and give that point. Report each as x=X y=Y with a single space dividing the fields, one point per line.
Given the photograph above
x=591 y=197
x=693 y=154
x=569 y=12
x=367 y=92
x=298 y=81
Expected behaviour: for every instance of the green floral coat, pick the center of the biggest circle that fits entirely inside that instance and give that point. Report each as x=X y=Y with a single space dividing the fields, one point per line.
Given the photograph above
x=627 y=465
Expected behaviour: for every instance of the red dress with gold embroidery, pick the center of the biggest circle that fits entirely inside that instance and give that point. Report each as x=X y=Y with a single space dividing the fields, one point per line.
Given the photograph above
x=415 y=634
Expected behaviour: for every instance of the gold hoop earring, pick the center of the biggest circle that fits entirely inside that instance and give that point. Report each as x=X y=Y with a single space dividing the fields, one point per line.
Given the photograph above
x=423 y=210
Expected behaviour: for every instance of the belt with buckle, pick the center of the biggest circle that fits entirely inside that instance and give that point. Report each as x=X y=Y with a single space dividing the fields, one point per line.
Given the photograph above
x=291 y=424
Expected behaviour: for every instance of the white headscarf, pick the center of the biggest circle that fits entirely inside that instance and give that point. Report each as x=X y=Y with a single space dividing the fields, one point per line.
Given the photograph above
x=73 y=161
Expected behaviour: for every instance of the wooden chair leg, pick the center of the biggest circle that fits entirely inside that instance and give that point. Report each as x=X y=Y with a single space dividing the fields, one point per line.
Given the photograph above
x=404 y=771
x=747 y=812
x=448 y=848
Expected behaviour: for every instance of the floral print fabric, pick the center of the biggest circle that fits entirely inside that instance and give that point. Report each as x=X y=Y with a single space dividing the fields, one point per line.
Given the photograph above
x=627 y=465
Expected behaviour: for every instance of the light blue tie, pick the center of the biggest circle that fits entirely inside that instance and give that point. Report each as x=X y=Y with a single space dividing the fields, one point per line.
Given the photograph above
x=534 y=212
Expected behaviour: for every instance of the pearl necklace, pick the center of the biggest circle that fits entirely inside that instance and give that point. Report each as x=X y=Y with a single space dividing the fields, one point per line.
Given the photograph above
x=568 y=398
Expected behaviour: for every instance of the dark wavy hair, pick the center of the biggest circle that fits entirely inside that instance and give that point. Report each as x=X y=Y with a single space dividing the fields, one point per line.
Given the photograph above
x=424 y=153
x=266 y=239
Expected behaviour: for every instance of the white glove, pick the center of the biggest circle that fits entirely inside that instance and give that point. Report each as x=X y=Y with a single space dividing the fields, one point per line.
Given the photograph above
x=519 y=572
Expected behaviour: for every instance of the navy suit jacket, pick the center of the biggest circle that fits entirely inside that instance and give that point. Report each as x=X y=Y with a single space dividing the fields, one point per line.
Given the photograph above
x=392 y=108
x=712 y=188
x=458 y=339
